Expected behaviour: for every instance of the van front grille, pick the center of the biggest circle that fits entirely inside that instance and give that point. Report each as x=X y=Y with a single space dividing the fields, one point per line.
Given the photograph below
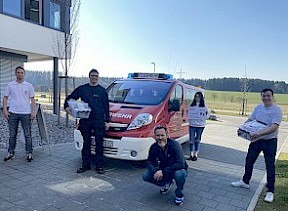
x=117 y=127
x=110 y=151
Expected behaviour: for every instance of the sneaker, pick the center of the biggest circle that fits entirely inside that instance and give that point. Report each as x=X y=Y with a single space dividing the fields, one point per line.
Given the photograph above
x=179 y=200
x=29 y=157
x=165 y=189
x=82 y=170
x=240 y=184
x=269 y=197
x=100 y=170
x=10 y=156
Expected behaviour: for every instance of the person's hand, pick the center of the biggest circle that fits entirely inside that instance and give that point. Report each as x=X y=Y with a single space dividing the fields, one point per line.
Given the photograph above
x=238 y=132
x=158 y=175
x=6 y=114
x=254 y=136
x=33 y=115
x=68 y=110
x=107 y=125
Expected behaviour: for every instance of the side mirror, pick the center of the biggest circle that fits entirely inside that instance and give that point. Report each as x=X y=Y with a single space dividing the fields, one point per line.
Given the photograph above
x=174 y=105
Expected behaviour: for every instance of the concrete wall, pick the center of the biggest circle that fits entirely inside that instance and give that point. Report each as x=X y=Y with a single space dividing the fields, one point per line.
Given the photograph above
x=21 y=35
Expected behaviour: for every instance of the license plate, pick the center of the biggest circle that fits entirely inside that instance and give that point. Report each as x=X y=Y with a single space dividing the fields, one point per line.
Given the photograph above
x=108 y=144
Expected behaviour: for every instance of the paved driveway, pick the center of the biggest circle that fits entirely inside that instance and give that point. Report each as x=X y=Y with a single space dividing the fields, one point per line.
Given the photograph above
x=50 y=183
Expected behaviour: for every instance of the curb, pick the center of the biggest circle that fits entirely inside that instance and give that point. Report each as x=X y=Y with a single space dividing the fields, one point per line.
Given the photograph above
x=261 y=186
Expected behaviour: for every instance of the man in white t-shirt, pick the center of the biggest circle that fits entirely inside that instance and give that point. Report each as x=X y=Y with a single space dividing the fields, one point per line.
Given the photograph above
x=22 y=109
x=269 y=114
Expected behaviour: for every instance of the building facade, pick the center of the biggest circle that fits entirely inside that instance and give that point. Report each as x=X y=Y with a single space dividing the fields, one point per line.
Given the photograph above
x=30 y=31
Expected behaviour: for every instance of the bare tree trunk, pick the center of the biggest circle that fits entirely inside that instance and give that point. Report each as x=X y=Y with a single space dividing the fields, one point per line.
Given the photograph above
x=67 y=48
x=245 y=87
x=243 y=106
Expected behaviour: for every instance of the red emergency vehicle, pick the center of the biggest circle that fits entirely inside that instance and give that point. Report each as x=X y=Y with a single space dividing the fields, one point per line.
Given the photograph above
x=137 y=105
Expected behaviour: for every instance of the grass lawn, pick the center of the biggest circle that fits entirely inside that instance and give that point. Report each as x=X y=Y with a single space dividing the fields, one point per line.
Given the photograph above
x=229 y=103
x=281 y=188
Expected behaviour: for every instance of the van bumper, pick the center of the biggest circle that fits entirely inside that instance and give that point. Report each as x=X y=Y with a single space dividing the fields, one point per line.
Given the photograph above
x=126 y=148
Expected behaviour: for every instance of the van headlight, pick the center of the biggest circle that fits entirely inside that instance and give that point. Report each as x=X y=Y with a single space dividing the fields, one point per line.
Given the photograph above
x=140 y=120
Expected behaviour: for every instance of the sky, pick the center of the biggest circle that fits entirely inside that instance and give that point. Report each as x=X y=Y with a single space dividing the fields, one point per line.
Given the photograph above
x=201 y=38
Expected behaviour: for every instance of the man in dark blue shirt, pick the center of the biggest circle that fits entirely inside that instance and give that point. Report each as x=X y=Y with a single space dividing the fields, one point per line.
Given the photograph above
x=97 y=99
x=166 y=163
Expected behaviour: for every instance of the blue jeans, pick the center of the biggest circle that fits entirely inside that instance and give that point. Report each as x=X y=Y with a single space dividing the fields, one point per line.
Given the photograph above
x=269 y=148
x=195 y=134
x=179 y=177
x=13 y=122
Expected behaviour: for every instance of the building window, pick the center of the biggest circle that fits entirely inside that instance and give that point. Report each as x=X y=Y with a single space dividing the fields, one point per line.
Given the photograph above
x=33 y=10
x=12 y=7
x=54 y=15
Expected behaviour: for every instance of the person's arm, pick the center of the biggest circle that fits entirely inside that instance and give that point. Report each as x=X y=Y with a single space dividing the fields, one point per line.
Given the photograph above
x=33 y=102
x=76 y=94
x=5 y=102
x=179 y=161
x=5 y=110
x=267 y=131
x=106 y=110
x=151 y=161
x=33 y=108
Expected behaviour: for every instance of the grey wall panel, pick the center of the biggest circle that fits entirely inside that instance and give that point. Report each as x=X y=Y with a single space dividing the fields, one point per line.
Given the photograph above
x=5 y=75
x=7 y=68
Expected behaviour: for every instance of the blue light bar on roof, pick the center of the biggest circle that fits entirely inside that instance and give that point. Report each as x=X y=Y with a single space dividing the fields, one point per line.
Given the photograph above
x=162 y=76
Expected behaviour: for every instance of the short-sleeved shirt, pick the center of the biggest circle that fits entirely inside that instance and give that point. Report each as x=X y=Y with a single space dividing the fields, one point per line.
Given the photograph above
x=268 y=115
x=19 y=95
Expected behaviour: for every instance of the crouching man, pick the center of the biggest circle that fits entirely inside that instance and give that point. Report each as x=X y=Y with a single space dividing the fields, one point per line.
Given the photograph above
x=166 y=163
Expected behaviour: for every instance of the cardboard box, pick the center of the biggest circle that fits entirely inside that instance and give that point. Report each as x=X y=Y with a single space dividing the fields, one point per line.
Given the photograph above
x=79 y=109
x=249 y=128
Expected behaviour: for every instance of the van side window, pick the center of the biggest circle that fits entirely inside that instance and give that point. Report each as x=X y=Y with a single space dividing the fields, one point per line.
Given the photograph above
x=177 y=94
x=189 y=96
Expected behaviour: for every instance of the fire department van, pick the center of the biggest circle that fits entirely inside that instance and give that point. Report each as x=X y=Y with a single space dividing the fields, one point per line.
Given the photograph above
x=137 y=105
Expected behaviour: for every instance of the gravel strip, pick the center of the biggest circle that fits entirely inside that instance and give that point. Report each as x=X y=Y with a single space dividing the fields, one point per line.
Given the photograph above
x=58 y=133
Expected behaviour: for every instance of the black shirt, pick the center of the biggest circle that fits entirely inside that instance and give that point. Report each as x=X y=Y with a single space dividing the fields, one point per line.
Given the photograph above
x=169 y=159
x=97 y=99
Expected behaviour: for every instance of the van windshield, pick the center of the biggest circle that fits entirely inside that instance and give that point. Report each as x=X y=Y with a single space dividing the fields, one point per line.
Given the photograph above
x=138 y=92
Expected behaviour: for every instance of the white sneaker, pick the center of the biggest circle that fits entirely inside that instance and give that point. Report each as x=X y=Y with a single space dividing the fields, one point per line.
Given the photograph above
x=269 y=197
x=240 y=184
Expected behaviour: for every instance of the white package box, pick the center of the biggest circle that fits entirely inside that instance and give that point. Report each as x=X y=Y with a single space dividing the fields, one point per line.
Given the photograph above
x=79 y=109
x=251 y=127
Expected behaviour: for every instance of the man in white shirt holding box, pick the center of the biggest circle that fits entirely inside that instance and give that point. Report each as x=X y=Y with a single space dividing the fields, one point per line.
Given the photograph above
x=266 y=140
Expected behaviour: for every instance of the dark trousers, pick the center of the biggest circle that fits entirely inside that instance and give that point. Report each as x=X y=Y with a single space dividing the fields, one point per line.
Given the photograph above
x=13 y=122
x=179 y=177
x=269 y=148
x=87 y=130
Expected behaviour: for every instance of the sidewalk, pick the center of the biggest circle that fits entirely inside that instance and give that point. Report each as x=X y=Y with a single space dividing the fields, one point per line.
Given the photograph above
x=50 y=182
